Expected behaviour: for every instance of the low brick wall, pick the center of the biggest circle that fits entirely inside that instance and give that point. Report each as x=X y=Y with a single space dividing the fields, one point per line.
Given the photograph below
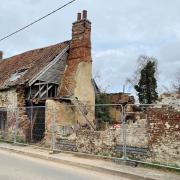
x=152 y=136
x=105 y=142
x=96 y=142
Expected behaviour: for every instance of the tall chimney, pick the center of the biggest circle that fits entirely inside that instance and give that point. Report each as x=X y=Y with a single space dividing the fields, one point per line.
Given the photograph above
x=80 y=51
x=1 y=55
x=78 y=16
x=84 y=14
x=77 y=78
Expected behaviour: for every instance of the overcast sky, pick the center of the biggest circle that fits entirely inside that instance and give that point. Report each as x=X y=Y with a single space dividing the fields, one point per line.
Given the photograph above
x=121 y=31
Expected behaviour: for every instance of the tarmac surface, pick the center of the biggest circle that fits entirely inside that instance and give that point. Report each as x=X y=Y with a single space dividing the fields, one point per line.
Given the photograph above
x=91 y=165
x=21 y=167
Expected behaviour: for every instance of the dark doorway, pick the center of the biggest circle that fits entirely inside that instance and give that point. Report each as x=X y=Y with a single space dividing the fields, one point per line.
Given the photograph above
x=36 y=114
x=38 y=122
x=3 y=119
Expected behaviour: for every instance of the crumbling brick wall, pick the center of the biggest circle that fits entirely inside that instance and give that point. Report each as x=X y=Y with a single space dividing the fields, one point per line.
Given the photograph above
x=13 y=101
x=115 y=112
x=164 y=132
x=170 y=98
x=23 y=120
x=105 y=142
x=8 y=104
x=62 y=116
x=8 y=98
x=158 y=132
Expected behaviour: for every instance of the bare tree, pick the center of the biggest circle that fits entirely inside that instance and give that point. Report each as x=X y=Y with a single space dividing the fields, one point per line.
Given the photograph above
x=141 y=62
x=176 y=84
x=98 y=78
x=166 y=88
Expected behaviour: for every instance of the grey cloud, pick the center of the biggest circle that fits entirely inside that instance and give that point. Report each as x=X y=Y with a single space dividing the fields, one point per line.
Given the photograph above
x=121 y=31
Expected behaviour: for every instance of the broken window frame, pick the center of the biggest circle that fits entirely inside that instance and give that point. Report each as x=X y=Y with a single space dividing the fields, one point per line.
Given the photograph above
x=41 y=90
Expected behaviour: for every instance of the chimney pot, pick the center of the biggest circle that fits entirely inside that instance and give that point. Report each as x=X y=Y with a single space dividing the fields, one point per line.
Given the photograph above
x=78 y=16
x=1 y=55
x=84 y=14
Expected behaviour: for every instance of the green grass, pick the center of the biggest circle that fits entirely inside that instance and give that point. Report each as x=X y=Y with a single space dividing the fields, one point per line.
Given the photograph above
x=157 y=165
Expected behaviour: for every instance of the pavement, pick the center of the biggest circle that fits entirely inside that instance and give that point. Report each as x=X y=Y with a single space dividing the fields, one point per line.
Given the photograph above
x=92 y=164
x=14 y=166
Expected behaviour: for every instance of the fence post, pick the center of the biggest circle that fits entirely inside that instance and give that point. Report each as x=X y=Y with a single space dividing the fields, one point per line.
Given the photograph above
x=16 y=125
x=124 y=133
x=31 y=123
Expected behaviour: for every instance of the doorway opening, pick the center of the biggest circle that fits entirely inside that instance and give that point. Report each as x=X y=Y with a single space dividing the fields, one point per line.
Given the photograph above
x=36 y=114
x=3 y=119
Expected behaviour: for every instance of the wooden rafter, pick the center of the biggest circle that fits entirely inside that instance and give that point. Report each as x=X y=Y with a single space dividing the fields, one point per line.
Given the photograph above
x=44 y=70
x=46 y=91
x=40 y=89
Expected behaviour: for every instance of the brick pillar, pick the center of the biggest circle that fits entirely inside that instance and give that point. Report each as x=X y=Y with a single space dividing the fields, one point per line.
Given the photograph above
x=80 y=51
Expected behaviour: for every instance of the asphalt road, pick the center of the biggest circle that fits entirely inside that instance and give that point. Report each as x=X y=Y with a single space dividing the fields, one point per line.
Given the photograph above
x=19 y=167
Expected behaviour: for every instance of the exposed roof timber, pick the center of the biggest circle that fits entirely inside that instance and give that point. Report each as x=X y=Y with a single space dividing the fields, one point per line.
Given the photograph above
x=40 y=83
x=43 y=93
x=39 y=91
x=45 y=69
x=34 y=61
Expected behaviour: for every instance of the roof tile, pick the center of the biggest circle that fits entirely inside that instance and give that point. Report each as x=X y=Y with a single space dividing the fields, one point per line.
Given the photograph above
x=31 y=62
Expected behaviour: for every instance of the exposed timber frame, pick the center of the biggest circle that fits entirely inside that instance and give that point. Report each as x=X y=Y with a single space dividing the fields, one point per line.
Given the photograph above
x=44 y=70
x=45 y=84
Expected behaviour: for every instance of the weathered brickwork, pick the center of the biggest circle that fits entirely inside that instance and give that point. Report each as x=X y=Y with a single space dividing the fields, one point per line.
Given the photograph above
x=164 y=132
x=23 y=120
x=62 y=115
x=77 y=78
x=8 y=98
x=170 y=98
x=80 y=51
x=8 y=104
x=13 y=101
x=65 y=117
x=20 y=72
x=155 y=134
x=105 y=142
x=121 y=99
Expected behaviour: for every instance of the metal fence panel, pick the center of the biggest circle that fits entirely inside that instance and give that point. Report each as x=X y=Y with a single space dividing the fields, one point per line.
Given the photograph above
x=79 y=136
x=134 y=132
x=152 y=134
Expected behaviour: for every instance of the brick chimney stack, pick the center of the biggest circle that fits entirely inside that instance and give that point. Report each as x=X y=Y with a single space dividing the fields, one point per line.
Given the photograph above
x=1 y=55
x=77 y=78
x=80 y=46
x=84 y=13
x=79 y=52
x=78 y=16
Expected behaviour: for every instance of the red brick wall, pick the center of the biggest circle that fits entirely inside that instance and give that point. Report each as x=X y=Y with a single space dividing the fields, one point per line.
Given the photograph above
x=164 y=136
x=162 y=122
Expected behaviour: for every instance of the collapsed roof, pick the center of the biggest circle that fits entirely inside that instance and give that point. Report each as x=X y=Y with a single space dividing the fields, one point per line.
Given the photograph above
x=26 y=67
